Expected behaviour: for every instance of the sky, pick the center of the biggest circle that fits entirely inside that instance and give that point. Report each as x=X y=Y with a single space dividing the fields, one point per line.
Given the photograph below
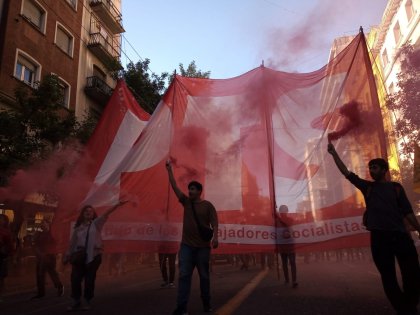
x=231 y=37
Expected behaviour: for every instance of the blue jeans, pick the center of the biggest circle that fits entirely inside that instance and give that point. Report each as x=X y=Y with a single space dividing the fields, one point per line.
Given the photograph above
x=189 y=258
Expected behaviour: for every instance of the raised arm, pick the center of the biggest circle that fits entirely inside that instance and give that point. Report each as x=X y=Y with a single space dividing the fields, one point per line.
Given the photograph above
x=340 y=165
x=113 y=208
x=172 y=181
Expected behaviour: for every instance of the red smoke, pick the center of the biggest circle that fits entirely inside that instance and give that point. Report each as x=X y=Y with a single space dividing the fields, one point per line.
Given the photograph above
x=301 y=37
x=351 y=113
x=53 y=178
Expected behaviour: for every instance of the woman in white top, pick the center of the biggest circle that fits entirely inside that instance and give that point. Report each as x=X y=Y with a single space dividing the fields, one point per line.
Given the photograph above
x=85 y=253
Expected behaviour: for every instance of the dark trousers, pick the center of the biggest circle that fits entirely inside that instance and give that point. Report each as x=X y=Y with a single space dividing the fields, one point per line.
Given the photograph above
x=167 y=261
x=387 y=246
x=46 y=264
x=190 y=258
x=291 y=258
x=86 y=272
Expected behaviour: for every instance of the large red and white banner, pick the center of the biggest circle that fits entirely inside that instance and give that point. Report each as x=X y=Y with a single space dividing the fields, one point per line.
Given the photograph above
x=256 y=142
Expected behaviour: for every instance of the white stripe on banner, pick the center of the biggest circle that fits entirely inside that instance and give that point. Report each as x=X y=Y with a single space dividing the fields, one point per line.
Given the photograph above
x=240 y=234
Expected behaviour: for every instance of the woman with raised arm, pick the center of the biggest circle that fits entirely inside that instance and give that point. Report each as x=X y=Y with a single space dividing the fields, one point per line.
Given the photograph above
x=85 y=253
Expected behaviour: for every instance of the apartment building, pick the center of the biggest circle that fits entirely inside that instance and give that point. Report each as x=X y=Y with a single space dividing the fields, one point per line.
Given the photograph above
x=399 y=25
x=39 y=38
x=78 y=40
x=100 y=51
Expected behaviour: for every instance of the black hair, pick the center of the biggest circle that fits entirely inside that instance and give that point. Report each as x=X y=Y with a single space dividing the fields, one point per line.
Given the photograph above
x=283 y=208
x=379 y=162
x=196 y=185
x=6 y=219
x=80 y=218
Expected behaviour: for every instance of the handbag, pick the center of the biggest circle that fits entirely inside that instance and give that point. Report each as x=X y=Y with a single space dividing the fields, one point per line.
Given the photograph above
x=3 y=252
x=206 y=233
x=78 y=258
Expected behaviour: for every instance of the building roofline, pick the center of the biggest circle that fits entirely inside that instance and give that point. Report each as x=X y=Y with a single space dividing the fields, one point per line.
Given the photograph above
x=389 y=13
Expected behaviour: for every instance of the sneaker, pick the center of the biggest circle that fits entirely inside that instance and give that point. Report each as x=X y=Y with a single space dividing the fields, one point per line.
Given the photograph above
x=207 y=309
x=295 y=284
x=179 y=311
x=171 y=285
x=60 y=290
x=74 y=307
x=86 y=307
x=38 y=296
x=164 y=285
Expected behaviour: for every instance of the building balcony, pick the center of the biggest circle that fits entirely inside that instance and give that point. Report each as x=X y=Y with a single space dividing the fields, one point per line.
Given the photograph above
x=107 y=50
x=109 y=14
x=98 y=90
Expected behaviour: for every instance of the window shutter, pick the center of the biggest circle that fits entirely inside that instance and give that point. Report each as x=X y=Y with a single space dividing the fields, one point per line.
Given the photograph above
x=63 y=40
x=33 y=13
x=28 y=64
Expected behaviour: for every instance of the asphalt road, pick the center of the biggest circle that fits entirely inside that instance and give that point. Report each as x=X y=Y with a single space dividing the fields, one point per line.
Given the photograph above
x=325 y=287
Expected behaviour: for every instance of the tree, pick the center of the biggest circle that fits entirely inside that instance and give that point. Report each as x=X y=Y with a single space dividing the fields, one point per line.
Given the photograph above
x=190 y=72
x=36 y=126
x=147 y=88
x=405 y=102
x=406 y=169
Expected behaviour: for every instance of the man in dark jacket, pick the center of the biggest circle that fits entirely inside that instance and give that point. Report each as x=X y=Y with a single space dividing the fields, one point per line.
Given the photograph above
x=387 y=207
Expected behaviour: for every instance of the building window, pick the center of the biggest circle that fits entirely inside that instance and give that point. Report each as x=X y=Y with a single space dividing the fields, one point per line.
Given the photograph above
x=27 y=69
x=64 y=92
x=35 y=14
x=391 y=88
x=72 y=3
x=397 y=33
x=409 y=10
x=64 y=40
x=385 y=60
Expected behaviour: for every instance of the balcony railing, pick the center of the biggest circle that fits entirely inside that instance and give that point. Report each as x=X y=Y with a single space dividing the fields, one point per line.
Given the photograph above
x=107 y=49
x=98 y=90
x=109 y=14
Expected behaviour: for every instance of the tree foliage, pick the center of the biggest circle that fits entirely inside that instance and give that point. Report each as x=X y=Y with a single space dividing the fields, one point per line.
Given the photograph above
x=147 y=87
x=37 y=125
x=191 y=72
x=407 y=170
x=405 y=102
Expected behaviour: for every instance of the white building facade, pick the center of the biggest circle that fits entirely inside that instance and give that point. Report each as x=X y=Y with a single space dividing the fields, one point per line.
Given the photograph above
x=400 y=25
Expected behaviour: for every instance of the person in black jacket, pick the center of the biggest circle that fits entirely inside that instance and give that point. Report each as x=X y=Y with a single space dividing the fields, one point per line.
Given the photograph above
x=45 y=260
x=387 y=207
x=6 y=249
